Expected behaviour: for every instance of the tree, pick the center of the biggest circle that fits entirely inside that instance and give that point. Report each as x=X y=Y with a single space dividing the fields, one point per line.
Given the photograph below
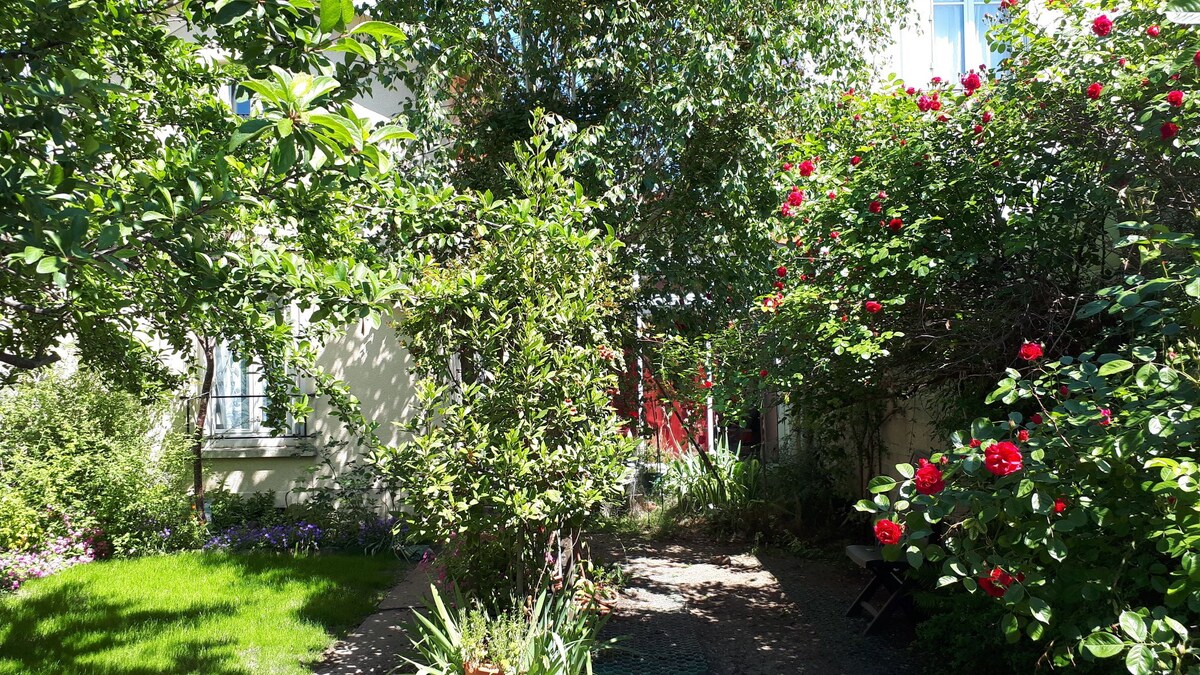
x=141 y=214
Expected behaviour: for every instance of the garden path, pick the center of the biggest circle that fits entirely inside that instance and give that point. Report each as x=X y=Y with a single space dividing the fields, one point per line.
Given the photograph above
x=374 y=648
x=691 y=608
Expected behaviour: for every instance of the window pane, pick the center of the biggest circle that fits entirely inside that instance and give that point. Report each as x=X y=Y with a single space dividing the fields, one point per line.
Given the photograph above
x=985 y=18
x=948 y=56
x=239 y=100
x=231 y=389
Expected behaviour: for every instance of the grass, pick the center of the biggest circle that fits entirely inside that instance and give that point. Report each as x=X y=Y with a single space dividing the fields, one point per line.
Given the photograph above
x=211 y=613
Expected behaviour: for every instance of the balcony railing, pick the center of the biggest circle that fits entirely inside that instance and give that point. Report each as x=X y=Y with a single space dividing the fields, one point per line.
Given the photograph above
x=240 y=417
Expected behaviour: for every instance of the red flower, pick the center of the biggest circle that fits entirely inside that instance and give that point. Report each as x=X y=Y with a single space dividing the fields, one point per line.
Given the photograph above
x=910 y=91
x=1102 y=25
x=795 y=197
x=928 y=479
x=978 y=128
x=1023 y=435
x=1002 y=458
x=895 y=224
x=1196 y=59
x=943 y=118
x=996 y=583
x=1168 y=130
x=1094 y=89
x=805 y=168
x=1060 y=505
x=872 y=307
x=1030 y=351
x=762 y=373
x=1036 y=418
x=1008 y=4
x=888 y=532
x=855 y=160
x=875 y=207
x=975 y=443
x=971 y=83
x=707 y=384
x=835 y=234
x=924 y=103
x=987 y=116
x=935 y=80
x=1152 y=31
x=832 y=194
x=1105 y=417
x=1175 y=98
x=781 y=271
x=1063 y=391
x=778 y=285
x=787 y=166
x=785 y=210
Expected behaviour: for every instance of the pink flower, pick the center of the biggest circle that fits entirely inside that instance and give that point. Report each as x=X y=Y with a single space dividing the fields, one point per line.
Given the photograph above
x=795 y=197
x=1102 y=25
x=1105 y=417
x=971 y=83
x=1152 y=31
x=805 y=168
x=787 y=166
x=1175 y=98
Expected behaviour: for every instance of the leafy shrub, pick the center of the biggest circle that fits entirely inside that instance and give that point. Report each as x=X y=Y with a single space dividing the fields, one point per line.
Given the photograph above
x=554 y=636
x=46 y=557
x=72 y=445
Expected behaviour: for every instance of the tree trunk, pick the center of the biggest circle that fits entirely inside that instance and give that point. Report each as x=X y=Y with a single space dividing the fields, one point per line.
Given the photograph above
x=202 y=404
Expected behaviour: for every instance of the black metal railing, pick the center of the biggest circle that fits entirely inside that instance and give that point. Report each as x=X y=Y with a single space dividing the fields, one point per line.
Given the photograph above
x=248 y=422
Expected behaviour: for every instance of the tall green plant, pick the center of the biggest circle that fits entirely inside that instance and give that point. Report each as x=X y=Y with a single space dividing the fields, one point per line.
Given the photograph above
x=513 y=439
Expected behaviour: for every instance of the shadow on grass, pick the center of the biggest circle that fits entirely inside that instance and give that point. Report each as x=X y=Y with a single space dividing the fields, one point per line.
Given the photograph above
x=58 y=632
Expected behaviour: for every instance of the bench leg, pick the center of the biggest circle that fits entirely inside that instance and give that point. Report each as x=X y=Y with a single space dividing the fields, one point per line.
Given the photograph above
x=866 y=594
x=898 y=595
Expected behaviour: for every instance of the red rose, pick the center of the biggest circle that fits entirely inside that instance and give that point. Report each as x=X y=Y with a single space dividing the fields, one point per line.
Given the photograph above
x=1036 y=418
x=1105 y=417
x=1152 y=31
x=707 y=384
x=1030 y=351
x=875 y=207
x=762 y=373
x=975 y=443
x=978 y=128
x=1023 y=435
x=778 y=285
x=935 y=80
x=835 y=234
x=787 y=166
x=987 y=116
x=1008 y=4
x=895 y=224
x=928 y=479
x=910 y=91
x=1102 y=25
x=832 y=194
x=785 y=210
x=1196 y=59
x=1063 y=391
x=1175 y=98
x=1002 y=458
x=1060 y=505
x=872 y=307
x=1168 y=130
x=855 y=160
x=1094 y=89
x=781 y=271
x=805 y=168
x=924 y=103
x=888 y=532
x=795 y=197
x=971 y=83
x=996 y=583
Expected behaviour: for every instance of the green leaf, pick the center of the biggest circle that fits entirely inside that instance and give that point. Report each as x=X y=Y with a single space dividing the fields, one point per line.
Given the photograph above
x=1140 y=660
x=1092 y=308
x=905 y=470
x=1056 y=548
x=379 y=30
x=1134 y=625
x=331 y=15
x=881 y=484
x=1012 y=631
x=47 y=265
x=249 y=130
x=350 y=45
x=1115 y=366
x=1040 y=609
x=1103 y=645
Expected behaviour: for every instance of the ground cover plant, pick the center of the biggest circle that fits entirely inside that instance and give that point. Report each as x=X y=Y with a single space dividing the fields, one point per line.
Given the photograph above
x=189 y=612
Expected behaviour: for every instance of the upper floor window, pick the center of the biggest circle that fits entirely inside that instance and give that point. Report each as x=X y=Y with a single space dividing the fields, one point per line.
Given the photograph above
x=960 y=36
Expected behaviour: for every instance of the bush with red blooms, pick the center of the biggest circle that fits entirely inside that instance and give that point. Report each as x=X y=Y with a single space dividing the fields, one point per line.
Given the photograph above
x=1038 y=228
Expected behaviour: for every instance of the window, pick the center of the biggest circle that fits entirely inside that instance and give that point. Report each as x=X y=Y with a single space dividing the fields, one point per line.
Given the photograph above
x=960 y=36
x=237 y=408
x=238 y=99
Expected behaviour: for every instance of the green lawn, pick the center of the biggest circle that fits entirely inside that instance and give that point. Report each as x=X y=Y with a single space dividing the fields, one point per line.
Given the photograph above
x=211 y=613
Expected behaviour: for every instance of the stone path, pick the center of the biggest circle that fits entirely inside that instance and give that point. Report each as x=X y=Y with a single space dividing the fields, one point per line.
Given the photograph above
x=743 y=615
x=691 y=608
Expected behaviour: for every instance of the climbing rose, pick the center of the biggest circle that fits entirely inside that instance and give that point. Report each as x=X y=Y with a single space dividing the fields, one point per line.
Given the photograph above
x=805 y=168
x=978 y=128
x=781 y=271
x=875 y=207
x=1002 y=458
x=795 y=197
x=1008 y=4
x=785 y=210
x=787 y=166
x=1152 y=31
x=1102 y=25
x=832 y=194
x=1036 y=418
x=1060 y=505
x=924 y=103
x=975 y=443
x=1023 y=435
x=987 y=116
x=1030 y=351
x=855 y=160
x=872 y=306
x=1175 y=98
x=778 y=285
x=888 y=532
x=996 y=583
x=970 y=83
x=928 y=479
x=708 y=384
x=895 y=224
x=1094 y=89
x=1196 y=59
x=1105 y=417
x=762 y=373
x=1168 y=130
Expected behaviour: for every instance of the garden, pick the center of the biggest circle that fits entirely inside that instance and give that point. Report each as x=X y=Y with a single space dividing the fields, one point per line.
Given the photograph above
x=609 y=240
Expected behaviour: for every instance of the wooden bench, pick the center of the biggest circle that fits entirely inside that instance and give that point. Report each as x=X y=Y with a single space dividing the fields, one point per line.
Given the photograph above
x=886 y=575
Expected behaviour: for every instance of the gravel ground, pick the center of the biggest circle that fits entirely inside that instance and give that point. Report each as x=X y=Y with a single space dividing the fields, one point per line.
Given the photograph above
x=745 y=616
